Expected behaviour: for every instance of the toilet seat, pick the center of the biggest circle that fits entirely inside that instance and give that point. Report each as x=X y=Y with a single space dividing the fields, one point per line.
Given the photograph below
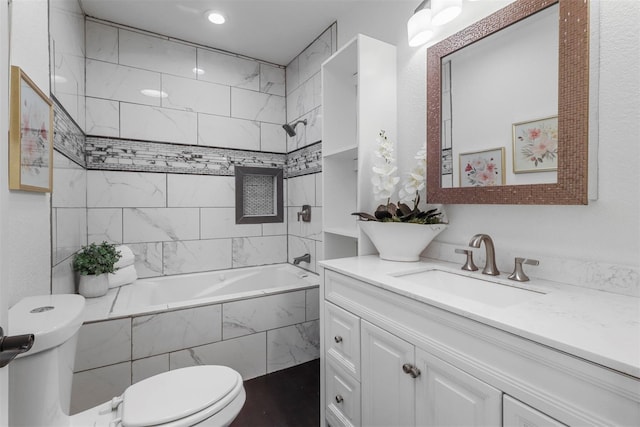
x=180 y=397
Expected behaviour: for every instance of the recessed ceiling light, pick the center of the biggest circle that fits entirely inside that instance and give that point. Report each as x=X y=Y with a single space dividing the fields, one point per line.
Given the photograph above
x=198 y=71
x=216 y=17
x=154 y=93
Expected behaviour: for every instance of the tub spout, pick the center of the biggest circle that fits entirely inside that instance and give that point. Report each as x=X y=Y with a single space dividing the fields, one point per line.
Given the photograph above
x=303 y=258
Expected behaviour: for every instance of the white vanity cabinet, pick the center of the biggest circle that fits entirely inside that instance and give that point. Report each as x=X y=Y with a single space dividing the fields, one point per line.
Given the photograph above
x=392 y=360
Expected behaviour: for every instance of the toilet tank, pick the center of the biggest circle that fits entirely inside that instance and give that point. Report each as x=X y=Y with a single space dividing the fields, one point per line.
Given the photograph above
x=40 y=380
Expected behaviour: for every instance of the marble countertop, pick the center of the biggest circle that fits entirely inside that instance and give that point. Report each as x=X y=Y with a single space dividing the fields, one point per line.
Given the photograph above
x=597 y=326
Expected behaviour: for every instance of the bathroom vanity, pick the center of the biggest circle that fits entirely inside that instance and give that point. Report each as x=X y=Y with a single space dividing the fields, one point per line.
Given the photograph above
x=428 y=344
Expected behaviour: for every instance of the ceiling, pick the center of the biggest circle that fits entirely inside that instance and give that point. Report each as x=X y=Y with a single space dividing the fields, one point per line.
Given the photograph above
x=275 y=31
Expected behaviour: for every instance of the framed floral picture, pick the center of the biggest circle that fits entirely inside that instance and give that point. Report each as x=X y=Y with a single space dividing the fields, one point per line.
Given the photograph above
x=482 y=168
x=535 y=145
x=30 y=135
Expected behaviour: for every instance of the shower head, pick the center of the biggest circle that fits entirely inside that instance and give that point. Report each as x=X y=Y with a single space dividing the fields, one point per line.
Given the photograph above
x=291 y=128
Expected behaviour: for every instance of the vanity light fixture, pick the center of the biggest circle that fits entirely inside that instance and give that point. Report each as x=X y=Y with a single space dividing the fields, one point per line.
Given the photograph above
x=419 y=27
x=153 y=93
x=216 y=17
x=445 y=11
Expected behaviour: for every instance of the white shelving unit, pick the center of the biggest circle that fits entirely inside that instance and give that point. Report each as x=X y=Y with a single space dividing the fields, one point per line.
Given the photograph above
x=358 y=100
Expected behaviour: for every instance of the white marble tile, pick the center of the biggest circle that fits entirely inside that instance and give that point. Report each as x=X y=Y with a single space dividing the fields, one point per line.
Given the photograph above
x=248 y=251
x=274 y=228
x=95 y=386
x=161 y=224
x=157 y=54
x=103 y=343
x=177 y=329
x=102 y=117
x=247 y=355
x=310 y=230
x=101 y=42
x=228 y=70
x=314 y=126
x=292 y=345
x=300 y=101
x=108 y=189
x=273 y=138
x=247 y=104
x=148 y=367
x=70 y=190
x=313 y=56
x=319 y=253
x=71 y=231
x=299 y=246
x=301 y=190
x=272 y=80
x=200 y=191
x=158 y=124
x=68 y=84
x=63 y=278
x=120 y=83
x=104 y=225
x=66 y=22
x=313 y=303
x=197 y=255
x=196 y=95
x=292 y=75
x=148 y=258
x=260 y=314
x=227 y=132
x=318 y=177
x=218 y=223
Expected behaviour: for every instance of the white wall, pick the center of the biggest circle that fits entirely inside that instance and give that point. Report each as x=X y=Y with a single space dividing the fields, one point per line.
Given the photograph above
x=26 y=228
x=608 y=230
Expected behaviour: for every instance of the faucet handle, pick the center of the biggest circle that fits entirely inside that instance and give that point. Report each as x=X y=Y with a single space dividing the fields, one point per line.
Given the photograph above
x=468 y=265
x=518 y=273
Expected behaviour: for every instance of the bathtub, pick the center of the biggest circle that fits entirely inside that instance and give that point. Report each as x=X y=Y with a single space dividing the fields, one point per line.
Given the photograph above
x=256 y=320
x=189 y=290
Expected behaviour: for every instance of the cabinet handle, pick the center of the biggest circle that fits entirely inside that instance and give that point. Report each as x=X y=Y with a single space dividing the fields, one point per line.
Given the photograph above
x=411 y=370
x=339 y=399
x=337 y=339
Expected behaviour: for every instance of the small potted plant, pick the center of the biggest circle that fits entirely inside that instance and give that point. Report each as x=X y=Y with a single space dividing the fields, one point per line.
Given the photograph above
x=94 y=262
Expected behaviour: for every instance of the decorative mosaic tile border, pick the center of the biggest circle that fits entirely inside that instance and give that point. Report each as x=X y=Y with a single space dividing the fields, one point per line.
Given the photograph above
x=68 y=138
x=304 y=161
x=145 y=156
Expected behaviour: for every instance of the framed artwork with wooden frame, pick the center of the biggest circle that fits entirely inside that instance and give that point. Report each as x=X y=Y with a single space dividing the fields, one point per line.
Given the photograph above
x=30 y=135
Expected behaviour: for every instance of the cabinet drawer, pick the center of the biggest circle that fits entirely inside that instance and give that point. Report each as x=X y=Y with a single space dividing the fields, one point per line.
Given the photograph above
x=342 y=338
x=517 y=414
x=342 y=397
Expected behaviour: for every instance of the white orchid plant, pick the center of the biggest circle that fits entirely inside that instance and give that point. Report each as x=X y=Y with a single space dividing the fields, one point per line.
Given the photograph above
x=385 y=180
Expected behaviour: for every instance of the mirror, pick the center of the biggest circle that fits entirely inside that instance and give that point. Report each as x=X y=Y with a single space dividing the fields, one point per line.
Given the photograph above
x=493 y=139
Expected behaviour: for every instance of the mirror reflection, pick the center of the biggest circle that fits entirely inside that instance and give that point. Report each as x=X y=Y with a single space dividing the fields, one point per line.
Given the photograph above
x=499 y=114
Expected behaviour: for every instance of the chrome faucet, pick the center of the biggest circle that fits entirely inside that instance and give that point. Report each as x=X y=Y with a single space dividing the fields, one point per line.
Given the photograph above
x=303 y=258
x=490 y=266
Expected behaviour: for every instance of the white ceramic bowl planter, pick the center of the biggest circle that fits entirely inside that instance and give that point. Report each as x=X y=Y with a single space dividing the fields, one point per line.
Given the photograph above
x=92 y=285
x=400 y=241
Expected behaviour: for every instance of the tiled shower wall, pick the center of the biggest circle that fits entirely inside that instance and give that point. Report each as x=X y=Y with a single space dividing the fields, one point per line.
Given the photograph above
x=160 y=170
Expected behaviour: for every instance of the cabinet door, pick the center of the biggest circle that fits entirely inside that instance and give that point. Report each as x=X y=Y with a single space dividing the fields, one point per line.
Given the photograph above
x=517 y=414
x=447 y=396
x=388 y=394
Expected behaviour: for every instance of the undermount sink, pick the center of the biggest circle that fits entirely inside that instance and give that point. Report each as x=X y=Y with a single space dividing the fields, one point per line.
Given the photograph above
x=471 y=288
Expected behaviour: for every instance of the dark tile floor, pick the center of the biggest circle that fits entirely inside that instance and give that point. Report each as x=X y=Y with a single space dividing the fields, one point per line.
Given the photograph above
x=287 y=398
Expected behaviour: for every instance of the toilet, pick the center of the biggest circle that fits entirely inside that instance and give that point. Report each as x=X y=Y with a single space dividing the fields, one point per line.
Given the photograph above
x=40 y=380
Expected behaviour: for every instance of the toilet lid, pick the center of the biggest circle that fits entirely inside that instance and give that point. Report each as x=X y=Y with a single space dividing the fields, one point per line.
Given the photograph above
x=176 y=394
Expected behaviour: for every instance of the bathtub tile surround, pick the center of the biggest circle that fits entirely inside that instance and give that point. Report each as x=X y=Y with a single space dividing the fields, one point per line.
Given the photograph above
x=174 y=330
x=292 y=345
x=254 y=336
